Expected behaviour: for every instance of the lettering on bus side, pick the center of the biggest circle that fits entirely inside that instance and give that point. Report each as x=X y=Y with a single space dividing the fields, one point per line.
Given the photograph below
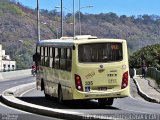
x=90 y=75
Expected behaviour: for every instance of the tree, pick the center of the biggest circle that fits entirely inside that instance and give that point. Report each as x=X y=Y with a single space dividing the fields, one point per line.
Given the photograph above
x=149 y=55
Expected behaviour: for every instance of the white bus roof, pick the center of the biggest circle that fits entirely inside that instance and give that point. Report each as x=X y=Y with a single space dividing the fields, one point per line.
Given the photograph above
x=69 y=41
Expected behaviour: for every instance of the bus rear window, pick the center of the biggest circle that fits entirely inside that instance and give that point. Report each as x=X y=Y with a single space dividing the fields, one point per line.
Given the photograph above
x=100 y=52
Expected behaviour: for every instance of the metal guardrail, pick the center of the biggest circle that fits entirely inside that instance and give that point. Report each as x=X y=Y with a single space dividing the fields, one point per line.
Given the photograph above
x=154 y=73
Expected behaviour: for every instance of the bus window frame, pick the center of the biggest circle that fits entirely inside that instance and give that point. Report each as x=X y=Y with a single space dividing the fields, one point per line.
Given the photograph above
x=122 y=50
x=49 y=52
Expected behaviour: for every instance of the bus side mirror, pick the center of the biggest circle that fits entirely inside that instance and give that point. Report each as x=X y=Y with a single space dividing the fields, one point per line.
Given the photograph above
x=36 y=57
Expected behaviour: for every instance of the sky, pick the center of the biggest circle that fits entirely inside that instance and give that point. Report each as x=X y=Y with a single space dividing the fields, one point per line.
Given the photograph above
x=120 y=7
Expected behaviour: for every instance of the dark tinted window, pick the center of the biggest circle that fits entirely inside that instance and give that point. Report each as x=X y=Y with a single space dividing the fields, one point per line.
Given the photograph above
x=100 y=52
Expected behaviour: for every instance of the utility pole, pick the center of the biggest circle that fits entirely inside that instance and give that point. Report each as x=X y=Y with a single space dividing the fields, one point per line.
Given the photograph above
x=79 y=17
x=73 y=21
x=61 y=18
x=38 y=25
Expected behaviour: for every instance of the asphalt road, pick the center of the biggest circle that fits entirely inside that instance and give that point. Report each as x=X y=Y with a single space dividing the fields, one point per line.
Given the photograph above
x=126 y=108
x=8 y=113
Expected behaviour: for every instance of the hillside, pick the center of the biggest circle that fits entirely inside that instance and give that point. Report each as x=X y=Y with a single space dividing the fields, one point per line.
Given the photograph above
x=18 y=32
x=138 y=31
x=18 y=29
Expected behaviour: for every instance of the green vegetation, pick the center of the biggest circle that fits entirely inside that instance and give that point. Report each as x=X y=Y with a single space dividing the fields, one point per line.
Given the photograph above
x=7 y=7
x=18 y=22
x=149 y=55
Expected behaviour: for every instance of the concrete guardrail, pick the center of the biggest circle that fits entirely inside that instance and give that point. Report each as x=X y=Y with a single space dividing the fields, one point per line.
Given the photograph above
x=14 y=74
x=8 y=97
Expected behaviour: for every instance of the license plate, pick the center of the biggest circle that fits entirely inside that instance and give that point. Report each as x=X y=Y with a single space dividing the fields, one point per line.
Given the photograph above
x=102 y=88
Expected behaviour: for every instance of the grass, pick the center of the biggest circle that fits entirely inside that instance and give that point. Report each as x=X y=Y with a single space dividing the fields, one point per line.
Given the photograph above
x=6 y=7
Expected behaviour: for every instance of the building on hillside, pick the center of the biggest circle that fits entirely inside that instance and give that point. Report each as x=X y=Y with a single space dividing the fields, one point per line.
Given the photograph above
x=6 y=64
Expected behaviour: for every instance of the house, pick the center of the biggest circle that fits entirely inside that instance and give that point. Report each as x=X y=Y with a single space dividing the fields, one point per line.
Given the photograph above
x=6 y=64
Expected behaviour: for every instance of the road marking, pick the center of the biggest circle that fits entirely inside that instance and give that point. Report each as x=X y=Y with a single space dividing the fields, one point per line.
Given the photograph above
x=138 y=99
x=21 y=95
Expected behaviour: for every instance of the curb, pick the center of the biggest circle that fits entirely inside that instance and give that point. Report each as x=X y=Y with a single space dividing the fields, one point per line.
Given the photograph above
x=8 y=97
x=149 y=83
x=143 y=95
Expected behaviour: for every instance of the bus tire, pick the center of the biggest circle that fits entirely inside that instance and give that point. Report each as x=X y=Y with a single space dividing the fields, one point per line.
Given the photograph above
x=109 y=101
x=42 y=85
x=46 y=95
x=105 y=101
x=60 y=95
x=102 y=102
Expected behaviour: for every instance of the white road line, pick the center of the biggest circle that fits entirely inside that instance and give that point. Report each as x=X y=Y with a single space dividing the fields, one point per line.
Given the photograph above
x=27 y=91
x=138 y=99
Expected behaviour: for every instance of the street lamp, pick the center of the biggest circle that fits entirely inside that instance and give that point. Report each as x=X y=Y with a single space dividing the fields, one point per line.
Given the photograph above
x=38 y=26
x=62 y=18
x=57 y=31
x=63 y=7
x=73 y=21
x=80 y=15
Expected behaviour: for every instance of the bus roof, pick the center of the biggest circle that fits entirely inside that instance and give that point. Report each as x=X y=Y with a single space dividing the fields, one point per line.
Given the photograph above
x=69 y=41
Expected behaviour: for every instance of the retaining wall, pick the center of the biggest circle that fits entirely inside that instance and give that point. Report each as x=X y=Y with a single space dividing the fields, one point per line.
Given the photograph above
x=13 y=74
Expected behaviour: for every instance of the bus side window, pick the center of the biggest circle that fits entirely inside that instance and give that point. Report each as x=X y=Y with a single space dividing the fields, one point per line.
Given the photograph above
x=47 y=62
x=53 y=54
x=42 y=56
x=63 y=59
x=57 y=56
x=46 y=57
x=69 y=60
x=51 y=57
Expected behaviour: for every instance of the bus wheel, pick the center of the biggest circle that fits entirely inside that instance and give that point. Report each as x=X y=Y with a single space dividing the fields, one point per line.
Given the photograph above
x=60 y=95
x=109 y=101
x=42 y=85
x=105 y=101
x=46 y=95
x=102 y=102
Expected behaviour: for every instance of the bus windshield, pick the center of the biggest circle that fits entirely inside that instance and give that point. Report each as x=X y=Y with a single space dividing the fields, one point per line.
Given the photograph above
x=100 y=52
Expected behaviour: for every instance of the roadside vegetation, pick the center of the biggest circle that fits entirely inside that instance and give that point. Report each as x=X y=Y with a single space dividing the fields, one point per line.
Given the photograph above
x=149 y=55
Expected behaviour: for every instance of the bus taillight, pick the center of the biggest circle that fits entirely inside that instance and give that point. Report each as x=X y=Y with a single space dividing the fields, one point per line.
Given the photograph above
x=124 y=80
x=78 y=83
